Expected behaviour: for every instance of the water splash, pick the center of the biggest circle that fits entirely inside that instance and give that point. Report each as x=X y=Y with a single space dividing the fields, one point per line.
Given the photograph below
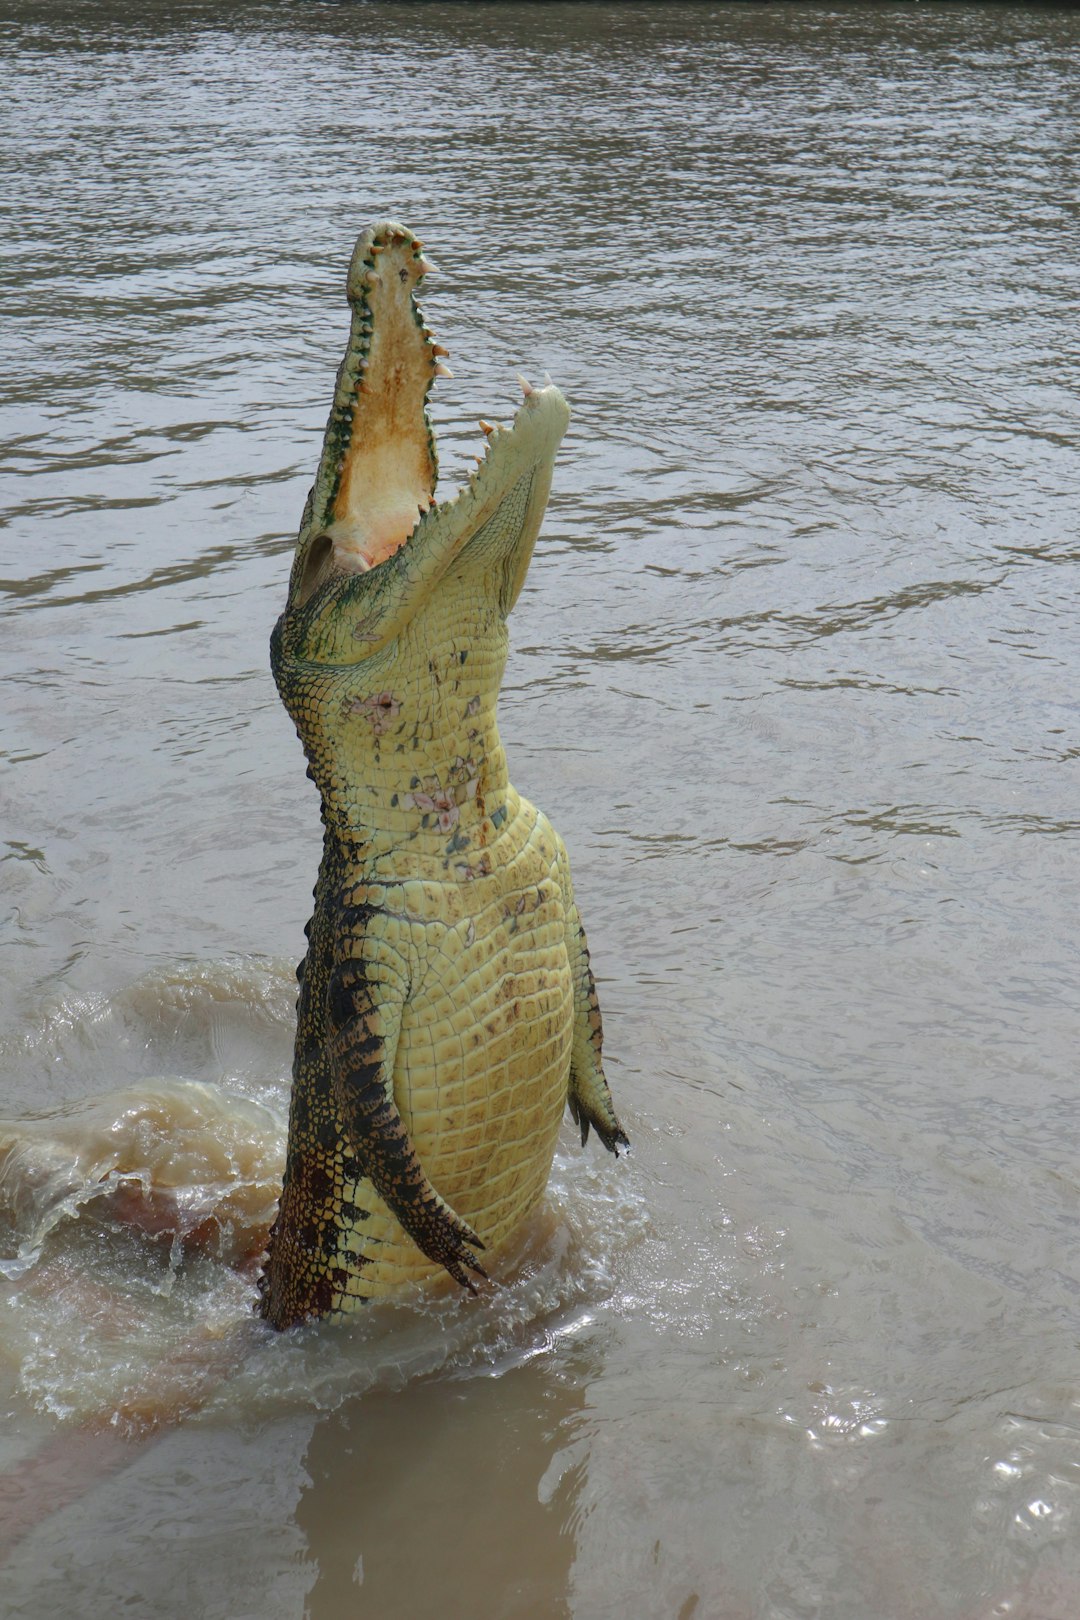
x=132 y=1225
x=177 y=1160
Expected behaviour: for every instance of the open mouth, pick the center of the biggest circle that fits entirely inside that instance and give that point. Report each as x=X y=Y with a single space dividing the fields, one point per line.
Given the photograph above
x=377 y=478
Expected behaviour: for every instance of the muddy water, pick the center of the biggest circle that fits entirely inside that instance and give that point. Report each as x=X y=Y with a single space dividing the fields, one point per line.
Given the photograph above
x=795 y=674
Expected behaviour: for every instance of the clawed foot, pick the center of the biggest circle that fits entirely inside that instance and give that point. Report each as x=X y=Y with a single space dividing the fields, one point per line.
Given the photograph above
x=607 y=1128
x=444 y=1237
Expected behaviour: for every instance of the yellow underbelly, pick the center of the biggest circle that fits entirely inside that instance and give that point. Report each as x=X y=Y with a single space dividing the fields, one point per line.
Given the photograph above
x=482 y=1064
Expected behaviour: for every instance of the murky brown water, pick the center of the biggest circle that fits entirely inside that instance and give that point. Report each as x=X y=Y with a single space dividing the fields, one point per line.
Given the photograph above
x=795 y=674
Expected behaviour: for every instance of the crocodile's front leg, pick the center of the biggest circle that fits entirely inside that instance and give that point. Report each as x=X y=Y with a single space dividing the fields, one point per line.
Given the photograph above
x=346 y=1126
x=588 y=1096
x=365 y=1000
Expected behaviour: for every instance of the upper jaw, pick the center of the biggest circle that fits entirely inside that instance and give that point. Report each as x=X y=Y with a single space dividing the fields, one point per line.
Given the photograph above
x=375 y=488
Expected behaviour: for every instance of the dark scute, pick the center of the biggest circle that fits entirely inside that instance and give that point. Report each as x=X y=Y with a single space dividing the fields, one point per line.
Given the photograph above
x=341 y=995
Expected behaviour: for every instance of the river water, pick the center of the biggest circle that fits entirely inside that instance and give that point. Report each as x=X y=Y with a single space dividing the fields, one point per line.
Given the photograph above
x=795 y=673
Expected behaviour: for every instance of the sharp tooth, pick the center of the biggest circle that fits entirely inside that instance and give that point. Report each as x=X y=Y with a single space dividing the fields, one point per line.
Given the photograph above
x=378 y=247
x=443 y=371
x=547 y=380
x=488 y=427
x=426 y=268
x=526 y=387
x=479 y=461
x=371 y=279
x=437 y=348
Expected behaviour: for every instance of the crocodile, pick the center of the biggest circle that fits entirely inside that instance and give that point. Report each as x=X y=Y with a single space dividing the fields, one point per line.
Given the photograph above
x=447 y=1013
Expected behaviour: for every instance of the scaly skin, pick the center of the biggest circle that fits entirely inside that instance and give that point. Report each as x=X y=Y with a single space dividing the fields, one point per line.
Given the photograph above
x=447 y=1011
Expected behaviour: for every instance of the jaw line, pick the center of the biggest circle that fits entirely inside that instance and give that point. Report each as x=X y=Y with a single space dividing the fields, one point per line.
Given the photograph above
x=509 y=453
x=374 y=494
x=379 y=466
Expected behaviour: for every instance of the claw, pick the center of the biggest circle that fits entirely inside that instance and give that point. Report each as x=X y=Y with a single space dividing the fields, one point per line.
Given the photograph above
x=454 y=1267
x=469 y=1235
x=614 y=1140
x=466 y=1282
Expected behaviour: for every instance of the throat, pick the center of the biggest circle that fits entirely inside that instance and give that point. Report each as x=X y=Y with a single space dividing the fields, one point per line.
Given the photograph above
x=436 y=790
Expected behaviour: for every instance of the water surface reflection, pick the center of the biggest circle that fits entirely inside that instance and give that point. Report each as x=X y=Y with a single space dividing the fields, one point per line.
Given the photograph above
x=421 y=1496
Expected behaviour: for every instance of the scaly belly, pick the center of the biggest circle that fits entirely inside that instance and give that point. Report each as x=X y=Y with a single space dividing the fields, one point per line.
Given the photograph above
x=481 y=1072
